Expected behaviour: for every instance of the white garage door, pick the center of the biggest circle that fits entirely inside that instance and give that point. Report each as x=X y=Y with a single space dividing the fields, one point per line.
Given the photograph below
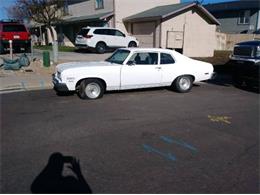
x=144 y=32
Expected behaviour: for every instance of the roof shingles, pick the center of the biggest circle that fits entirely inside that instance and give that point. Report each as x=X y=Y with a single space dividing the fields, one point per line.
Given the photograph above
x=161 y=12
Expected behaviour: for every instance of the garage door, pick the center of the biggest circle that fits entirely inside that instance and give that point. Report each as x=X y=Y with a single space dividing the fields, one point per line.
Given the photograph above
x=144 y=32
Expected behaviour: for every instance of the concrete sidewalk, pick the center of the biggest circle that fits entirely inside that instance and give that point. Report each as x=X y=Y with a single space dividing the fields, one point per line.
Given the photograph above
x=32 y=77
x=36 y=76
x=14 y=83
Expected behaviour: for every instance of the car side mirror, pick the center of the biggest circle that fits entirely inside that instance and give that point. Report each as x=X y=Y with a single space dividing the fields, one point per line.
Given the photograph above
x=131 y=63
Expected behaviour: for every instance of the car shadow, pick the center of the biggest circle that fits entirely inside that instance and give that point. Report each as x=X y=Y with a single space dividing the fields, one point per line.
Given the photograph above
x=83 y=51
x=224 y=78
x=92 y=51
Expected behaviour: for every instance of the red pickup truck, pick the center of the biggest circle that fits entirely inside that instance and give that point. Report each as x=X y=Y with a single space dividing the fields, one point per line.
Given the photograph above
x=17 y=32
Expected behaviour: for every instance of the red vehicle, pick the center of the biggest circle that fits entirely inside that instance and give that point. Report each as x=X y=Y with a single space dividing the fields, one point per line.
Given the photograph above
x=17 y=32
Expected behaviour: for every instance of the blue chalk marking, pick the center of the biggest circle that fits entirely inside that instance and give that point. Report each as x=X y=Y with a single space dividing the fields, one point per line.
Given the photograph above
x=168 y=156
x=179 y=142
x=23 y=85
x=42 y=83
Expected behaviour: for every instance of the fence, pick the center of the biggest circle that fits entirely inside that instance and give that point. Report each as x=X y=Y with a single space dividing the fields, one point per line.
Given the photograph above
x=227 y=41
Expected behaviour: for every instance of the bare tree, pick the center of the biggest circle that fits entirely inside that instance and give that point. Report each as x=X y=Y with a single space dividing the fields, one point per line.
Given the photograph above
x=46 y=12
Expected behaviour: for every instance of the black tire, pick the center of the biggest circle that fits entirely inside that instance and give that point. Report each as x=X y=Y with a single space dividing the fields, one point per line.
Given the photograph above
x=238 y=82
x=1 y=48
x=101 y=47
x=95 y=89
x=183 y=84
x=132 y=44
x=27 y=48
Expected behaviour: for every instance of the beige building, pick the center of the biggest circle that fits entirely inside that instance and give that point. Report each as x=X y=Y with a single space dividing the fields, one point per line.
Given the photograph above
x=186 y=27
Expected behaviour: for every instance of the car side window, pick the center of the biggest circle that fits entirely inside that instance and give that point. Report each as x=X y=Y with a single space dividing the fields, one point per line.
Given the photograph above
x=143 y=58
x=166 y=59
x=110 y=32
x=101 y=31
x=115 y=33
x=118 y=33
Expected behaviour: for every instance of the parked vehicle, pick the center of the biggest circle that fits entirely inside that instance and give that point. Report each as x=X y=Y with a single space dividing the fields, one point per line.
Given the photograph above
x=245 y=61
x=102 y=38
x=131 y=68
x=15 y=31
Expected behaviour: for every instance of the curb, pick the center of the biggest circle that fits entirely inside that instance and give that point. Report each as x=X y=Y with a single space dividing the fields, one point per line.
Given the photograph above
x=23 y=89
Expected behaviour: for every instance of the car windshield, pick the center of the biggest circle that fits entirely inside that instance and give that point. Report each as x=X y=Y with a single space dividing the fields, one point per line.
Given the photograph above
x=118 y=57
x=14 y=28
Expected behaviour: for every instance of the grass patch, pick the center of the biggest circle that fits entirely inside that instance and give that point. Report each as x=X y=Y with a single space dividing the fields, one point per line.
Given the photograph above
x=219 y=58
x=60 y=48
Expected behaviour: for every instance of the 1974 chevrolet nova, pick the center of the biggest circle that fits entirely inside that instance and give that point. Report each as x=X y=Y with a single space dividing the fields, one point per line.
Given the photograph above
x=131 y=68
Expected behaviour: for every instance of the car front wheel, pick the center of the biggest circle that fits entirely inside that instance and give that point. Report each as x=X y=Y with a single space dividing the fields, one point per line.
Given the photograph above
x=1 y=48
x=132 y=44
x=183 y=84
x=91 y=89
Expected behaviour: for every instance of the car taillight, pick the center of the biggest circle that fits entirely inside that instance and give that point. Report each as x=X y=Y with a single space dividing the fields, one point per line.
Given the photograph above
x=2 y=36
x=88 y=36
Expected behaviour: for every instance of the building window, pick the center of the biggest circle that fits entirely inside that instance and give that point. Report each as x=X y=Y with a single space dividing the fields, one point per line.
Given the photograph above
x=244 y=17
x=99 y=4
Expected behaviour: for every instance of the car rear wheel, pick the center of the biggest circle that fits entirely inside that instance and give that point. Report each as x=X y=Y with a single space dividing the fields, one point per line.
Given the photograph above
x=101 y=47
x=91 y=89
x=1 y=48
x=183 y=84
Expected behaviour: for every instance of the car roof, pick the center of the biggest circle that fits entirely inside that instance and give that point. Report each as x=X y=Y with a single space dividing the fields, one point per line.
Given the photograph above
x=90 y=27
x=148 y=49
x=252 y=43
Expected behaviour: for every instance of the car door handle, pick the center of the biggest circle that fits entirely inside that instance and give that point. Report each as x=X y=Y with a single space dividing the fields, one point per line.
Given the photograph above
x=158 y=68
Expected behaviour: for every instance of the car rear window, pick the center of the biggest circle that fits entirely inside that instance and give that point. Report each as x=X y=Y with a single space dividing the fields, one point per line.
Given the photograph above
x=83 y=32
x=243 y=51
x=14 y=28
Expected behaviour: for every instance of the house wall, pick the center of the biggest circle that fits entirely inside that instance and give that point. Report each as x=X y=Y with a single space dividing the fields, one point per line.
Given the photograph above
x=125 y=8
x=88 y=8
x=83 y=8
x=199 y=36
x=258 y=20
x=229 y=21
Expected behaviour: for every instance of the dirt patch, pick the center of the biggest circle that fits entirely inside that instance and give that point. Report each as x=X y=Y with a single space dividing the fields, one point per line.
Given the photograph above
x=219 y=58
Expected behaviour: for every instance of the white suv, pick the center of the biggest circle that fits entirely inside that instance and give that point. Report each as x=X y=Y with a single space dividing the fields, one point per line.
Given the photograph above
x=101 y=38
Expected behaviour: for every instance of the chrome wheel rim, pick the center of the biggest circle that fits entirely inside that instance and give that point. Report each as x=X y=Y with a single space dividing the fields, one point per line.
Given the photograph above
x=185 y=83
x=92 y=90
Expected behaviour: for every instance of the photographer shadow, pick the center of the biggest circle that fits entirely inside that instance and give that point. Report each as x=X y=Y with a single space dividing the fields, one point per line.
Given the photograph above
x=51 y=180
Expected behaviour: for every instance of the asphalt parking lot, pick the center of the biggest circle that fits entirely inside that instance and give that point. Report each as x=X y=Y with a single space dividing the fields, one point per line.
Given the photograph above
x=145 y=141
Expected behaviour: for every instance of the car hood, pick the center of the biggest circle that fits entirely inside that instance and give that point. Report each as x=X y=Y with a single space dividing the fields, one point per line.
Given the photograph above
x=74 y=65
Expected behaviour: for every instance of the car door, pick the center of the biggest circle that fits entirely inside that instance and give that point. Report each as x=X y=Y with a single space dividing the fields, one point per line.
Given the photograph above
x=169 y=68
x=142 y=70
x=101 y=35
x=119 y=38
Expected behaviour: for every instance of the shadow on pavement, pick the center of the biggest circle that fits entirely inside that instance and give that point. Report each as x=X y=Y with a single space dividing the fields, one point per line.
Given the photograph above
x=92 y=51
x=224 y=78
x=52 y=181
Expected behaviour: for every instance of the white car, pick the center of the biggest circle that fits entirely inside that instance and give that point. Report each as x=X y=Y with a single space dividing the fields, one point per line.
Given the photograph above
x=101 y=38
x=131 y=68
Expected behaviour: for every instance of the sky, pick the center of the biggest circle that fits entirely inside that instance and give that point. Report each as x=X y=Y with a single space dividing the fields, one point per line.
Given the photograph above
x=6 y=3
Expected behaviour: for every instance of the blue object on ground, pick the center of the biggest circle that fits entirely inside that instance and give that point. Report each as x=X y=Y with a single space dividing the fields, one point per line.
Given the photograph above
x=16 y=64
